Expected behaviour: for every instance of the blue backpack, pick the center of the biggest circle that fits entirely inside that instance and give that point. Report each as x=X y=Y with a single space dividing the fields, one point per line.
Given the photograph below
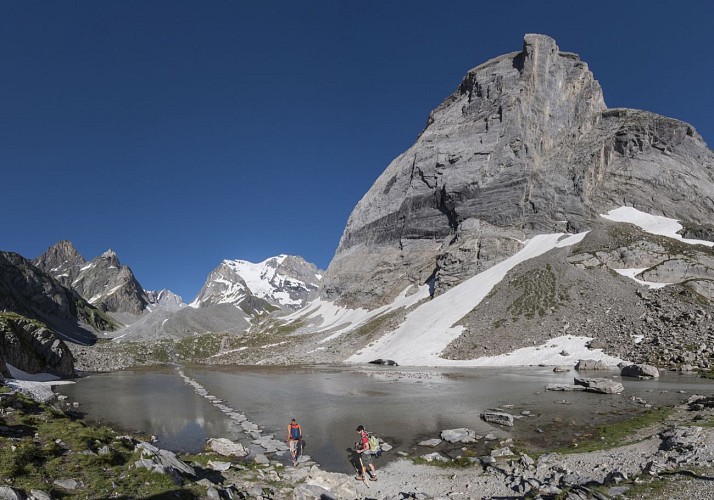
x=294 y=431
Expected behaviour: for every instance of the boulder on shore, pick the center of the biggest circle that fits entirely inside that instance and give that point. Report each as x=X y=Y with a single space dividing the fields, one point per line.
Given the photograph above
x=640 y=371
x=590 y=364
x=461 y=435
x=227 y=448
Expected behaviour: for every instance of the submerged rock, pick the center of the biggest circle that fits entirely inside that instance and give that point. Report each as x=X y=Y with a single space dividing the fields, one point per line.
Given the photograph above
x=600 y=385
x=496 y=417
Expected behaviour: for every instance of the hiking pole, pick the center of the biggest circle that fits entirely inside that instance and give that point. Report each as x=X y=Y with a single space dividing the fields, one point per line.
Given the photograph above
x=363 y=472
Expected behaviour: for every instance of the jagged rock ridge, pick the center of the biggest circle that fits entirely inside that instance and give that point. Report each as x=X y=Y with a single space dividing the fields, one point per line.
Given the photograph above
x=103 y=281
x=28 y=291
x=524 y=145
x=283 y=282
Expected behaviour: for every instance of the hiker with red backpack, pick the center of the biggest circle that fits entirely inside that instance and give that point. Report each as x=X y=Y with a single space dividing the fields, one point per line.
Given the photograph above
x=294 y=440
x=366 y=453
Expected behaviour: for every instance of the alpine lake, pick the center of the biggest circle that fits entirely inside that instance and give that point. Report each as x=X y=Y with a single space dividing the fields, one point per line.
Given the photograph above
x=401 y=405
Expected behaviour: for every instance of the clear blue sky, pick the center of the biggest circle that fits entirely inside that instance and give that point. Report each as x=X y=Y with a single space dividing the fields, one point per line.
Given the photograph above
x=183 y=133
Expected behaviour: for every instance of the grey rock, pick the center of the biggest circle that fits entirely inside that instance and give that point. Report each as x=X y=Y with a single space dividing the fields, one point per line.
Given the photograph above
x=682 y=439
x=212 y=493
x=500 y=418
x=8 y=493
x=460 y=435
x=310 y=492
x=564 y=387
x=600 y=385
x=590 y=364
x=615 y=476
x=154 y=458
x=226 y=447
x=435 y=456
x=38 y=495
x=431 y=443
x=502 y=452
x=640 y=371
x=67 y=484
x=561 y=369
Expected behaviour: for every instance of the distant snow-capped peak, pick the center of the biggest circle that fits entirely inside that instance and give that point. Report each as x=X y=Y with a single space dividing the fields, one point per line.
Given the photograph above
x=284 y=281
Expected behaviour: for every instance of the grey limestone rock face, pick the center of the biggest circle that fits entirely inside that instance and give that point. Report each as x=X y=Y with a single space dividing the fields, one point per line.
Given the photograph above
x=33 y=348
x=524 y=145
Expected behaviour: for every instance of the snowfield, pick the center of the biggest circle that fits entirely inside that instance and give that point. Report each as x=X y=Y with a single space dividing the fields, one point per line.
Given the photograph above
x=654 y=224
x=429 y=329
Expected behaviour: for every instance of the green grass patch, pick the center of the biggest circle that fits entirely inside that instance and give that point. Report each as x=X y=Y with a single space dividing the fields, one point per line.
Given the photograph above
x=613 y=435
x=47 y=445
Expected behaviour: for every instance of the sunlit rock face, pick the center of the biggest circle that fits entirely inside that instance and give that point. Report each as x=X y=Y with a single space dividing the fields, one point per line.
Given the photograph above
x=524 y=145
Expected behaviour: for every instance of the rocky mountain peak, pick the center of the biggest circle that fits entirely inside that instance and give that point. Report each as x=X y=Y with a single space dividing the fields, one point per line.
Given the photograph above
x=111 y=257
x=61 y=260
x=283 y=281
x=525 y=145
x=103 y=282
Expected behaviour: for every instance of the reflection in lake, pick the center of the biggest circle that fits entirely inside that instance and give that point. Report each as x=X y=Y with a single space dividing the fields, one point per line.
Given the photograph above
x=402 y=406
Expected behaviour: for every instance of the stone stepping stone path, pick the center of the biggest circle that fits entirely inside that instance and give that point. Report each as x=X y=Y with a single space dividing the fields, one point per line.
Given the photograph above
x=260 y=445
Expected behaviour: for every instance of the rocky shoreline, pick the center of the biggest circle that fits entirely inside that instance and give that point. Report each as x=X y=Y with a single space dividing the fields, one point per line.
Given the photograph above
x=676 y=452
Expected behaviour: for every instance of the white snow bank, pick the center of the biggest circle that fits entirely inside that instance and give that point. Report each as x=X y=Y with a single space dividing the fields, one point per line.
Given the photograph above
x=654 y=224
x=339 y=320
x=550 y=354
x=37 y=385
x=429 y=329
x=632 y=273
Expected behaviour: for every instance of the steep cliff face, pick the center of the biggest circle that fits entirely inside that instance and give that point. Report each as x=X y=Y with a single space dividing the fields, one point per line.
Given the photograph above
x=524 y=145
x=32 y=347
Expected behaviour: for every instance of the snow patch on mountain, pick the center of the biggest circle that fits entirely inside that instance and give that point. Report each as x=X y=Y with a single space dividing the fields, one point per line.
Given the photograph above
x=654 y=224
x=427 y=330
x=632 y=273
x=339 y=320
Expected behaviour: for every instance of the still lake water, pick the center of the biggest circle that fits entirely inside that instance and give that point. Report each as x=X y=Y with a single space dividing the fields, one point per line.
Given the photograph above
x=401 y=405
